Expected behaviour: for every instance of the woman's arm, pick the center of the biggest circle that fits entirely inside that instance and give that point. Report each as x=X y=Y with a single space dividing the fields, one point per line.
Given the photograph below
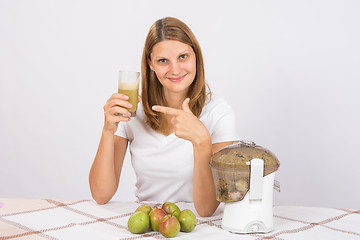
x=204 y=194
x=189 y=127
x=106 y=169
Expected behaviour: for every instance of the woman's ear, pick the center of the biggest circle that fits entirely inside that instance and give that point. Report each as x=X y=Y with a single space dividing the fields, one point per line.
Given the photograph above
x=150 y=65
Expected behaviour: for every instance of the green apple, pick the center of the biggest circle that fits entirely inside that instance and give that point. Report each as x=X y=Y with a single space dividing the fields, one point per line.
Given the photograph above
x=139 y=222
x=169 y=226
x=187 y=220
x=171 y=208
x=144 y=208
x=155 y=217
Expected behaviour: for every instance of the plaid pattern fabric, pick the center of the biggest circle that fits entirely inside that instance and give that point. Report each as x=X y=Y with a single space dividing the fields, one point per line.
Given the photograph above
x=55 y=219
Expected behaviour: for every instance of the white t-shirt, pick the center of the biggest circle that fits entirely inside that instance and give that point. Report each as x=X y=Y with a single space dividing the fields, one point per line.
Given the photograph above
x=164 y=164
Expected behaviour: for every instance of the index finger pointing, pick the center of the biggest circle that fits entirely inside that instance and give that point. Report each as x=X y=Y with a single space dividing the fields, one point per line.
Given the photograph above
x=166 y=110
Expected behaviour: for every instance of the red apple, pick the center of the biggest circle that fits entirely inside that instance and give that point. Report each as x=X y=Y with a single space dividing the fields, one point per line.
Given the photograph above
x=169 y=226
x=155 y=217
x=171 y=208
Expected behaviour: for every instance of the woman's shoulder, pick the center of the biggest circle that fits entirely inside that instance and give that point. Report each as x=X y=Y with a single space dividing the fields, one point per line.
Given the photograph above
x=215 y=102
x=216 y=105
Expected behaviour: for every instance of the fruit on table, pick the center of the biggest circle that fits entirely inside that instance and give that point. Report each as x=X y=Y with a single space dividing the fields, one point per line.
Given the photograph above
x=171 y=208
x=187 y=220
x=144 y=208
x=155 y=217
x=169 y=226
x=168 y=220
x=139 y=222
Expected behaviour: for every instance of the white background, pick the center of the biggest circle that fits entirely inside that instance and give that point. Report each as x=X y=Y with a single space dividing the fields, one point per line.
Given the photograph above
x=290 y=70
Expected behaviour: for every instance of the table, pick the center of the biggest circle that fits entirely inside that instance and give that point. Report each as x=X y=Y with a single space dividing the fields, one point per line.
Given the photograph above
x=84 y=219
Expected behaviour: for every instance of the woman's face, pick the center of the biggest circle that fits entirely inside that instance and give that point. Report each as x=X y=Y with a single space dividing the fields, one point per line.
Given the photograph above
x=174 y=64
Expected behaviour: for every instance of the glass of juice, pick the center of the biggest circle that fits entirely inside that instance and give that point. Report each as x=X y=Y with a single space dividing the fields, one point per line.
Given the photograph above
x=129 y=86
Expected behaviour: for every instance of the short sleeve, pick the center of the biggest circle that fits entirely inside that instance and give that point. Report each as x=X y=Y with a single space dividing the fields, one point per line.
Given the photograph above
x=224 y=129
x=219 y=119
x=121 y=131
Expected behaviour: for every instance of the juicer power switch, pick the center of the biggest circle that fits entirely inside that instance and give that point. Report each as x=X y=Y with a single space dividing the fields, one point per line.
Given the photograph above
x=255 y=228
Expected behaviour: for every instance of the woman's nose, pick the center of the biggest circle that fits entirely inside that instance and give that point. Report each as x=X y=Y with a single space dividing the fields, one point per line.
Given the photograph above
x=175 y=68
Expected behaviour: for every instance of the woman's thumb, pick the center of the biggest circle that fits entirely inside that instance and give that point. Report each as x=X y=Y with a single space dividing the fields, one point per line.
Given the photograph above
x=185 y=105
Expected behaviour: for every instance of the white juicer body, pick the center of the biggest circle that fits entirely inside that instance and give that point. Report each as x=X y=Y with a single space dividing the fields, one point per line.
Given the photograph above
x=254 y=213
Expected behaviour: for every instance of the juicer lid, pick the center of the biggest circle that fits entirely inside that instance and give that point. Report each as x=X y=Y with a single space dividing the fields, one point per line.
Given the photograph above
x=236 y=157
x=240 y=167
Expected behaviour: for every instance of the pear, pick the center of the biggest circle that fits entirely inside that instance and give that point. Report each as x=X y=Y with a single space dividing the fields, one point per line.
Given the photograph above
x=155 y=217
x=169 y=226
x=144 y=208
x=187 y=220
x=139 y=222
x=171 y=208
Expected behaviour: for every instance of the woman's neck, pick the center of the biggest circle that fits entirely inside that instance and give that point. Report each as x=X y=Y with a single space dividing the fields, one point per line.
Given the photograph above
x=175 y=100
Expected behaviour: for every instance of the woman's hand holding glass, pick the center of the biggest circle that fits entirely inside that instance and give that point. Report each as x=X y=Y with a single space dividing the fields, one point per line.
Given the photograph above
x=115 y=111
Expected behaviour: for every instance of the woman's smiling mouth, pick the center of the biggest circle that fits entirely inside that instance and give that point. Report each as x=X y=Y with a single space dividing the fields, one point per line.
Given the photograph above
x=177 y=79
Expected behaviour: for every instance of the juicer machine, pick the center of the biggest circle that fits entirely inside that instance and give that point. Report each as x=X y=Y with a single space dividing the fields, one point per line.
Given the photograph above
x=244 y=177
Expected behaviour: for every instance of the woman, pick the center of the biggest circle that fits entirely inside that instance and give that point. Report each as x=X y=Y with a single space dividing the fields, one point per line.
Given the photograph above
x=178 y=126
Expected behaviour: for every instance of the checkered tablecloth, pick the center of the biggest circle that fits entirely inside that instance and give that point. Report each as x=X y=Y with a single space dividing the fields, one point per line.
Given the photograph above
x=58 y=219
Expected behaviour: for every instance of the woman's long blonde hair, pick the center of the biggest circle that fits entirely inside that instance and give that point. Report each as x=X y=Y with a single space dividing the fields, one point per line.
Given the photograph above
x=152 y=91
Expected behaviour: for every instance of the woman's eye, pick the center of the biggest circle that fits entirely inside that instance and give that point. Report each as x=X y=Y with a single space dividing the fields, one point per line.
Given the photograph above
x=183 y=56
x=162 y=60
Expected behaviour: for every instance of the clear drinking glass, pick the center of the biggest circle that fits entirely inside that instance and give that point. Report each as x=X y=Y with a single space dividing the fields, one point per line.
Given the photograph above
x=129 y=85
